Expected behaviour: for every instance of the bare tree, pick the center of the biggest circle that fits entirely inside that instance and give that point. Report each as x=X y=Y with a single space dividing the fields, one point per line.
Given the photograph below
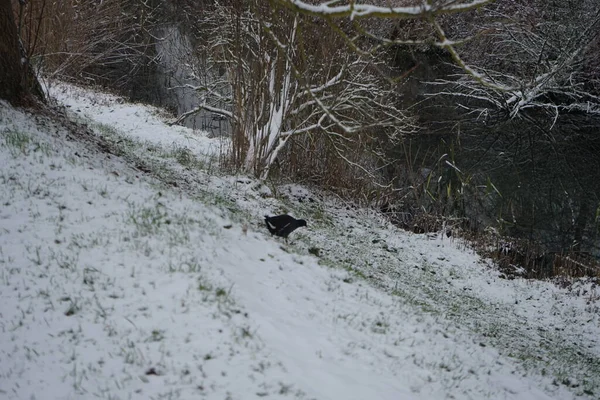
x=101 y=42
x=285 y=81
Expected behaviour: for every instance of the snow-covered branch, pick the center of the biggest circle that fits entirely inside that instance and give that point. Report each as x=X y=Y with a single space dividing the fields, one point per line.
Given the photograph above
x=355 y=11
x=197 y=109
x=545 y=72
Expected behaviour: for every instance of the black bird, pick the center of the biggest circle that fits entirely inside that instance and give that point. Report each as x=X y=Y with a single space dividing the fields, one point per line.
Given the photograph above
x=283 y=225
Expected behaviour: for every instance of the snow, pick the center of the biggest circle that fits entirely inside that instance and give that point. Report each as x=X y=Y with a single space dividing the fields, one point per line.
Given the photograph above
x=371 y=10
x=359 y=10
x=120 y=284
x=131 y=120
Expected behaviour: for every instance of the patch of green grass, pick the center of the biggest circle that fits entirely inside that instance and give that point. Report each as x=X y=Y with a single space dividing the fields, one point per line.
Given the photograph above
x=347 y=266
x=109 y=131
x=416 y=302
x=187 y=266
x=219 y=295
x=120 y=144
x=87 y=241
x=315 y=213
x=221 y=200
x=162 y=164
x=144 y=156
x=148 y=220
x=186 y=158
x=131 y=354
x=17 y=140
x=175 y=228
x=156 y=335
x=20 y=143
x=246 y=332
x=67 y=260
x=158 y=162
x=204 y=285
x=151 y=158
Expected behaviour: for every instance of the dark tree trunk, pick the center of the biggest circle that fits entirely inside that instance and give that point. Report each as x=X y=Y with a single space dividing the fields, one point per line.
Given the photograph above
x=17 y=80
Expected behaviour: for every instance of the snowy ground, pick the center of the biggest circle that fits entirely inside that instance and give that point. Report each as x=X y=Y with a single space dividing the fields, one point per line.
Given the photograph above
x=140 y=272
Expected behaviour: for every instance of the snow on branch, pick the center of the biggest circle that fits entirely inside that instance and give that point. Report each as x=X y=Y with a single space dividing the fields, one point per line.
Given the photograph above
x=201 y=107
x=353 y=10
x=549 y=76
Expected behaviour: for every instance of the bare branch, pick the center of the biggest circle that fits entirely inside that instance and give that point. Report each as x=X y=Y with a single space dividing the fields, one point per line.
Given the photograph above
x=357 y=11
x=199 y=108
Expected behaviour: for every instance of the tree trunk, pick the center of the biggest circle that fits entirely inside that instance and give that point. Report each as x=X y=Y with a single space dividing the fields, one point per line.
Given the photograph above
x=17 y=80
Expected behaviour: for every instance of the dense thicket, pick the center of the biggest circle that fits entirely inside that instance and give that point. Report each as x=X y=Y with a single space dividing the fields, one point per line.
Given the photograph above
x=108 y=43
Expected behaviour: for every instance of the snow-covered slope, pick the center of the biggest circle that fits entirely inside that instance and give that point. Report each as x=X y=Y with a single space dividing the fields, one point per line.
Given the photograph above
x=140 y=272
